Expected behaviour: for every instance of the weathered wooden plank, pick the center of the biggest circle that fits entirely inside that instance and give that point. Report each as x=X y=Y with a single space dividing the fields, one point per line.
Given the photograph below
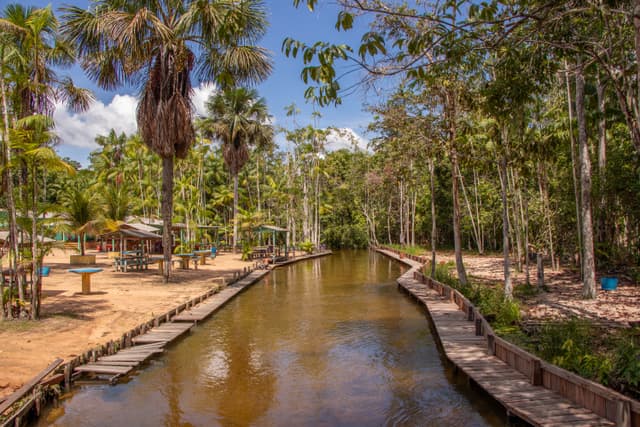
x=131 y=364
x=103 y=369
x=19 y=394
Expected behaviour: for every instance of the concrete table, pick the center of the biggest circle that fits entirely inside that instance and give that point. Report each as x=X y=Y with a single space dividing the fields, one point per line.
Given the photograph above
x=160 y=261
x=185 y=259
x=86 y=277
x=203 y=256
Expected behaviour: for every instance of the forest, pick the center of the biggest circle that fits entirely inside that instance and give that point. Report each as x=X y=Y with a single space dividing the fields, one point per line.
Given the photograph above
x=504 y=126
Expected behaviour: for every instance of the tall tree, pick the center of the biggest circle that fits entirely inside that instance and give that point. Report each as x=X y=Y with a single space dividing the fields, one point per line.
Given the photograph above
x=158 y=45
x=31 y=46
x=238 y=118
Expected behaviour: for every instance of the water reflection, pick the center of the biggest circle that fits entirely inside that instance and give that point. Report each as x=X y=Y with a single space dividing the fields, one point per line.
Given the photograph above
x=327 y=342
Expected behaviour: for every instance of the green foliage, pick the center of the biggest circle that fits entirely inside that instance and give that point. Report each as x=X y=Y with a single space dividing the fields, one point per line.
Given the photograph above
x=247 y=248
x=307 y=247
x=409 y=249
x=583 y=361
x=503 y=313
x=626 y=367
x=345 y=237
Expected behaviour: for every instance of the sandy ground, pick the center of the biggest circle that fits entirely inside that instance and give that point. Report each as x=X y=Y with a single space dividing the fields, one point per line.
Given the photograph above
x=73 y=323
x=564 y=296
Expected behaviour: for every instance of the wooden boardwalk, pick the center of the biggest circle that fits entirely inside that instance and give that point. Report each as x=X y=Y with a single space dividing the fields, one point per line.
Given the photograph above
x=154 y=340
x=205 y=309
x=164 y=333
x=536 y=405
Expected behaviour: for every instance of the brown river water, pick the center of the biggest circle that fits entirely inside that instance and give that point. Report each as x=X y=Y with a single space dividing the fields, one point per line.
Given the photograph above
x=325 y=342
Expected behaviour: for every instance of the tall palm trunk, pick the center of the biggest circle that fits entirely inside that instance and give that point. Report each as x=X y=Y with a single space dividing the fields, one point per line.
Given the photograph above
x=35 y=267
x=7 y=178
x=167 y=213
x=235 y=212
x=588 y=261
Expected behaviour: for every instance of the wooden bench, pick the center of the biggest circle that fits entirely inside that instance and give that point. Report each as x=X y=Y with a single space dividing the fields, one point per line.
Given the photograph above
x=124 y=263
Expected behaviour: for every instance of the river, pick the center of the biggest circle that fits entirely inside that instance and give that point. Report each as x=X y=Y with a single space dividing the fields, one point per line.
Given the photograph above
x=325 y=342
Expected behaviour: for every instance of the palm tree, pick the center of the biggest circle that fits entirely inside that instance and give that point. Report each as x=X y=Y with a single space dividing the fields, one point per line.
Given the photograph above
x=80 y=211
x=238 y=118
x=157 y=45
x=30 y=46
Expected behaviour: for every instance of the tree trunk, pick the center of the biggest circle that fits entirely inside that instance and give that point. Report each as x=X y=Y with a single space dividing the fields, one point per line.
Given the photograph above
x=478 y=204
x=474 y=227
x=167 y=214
x=457 y=246
x=588 y=261
x=547 y=212
x=540 y=269
x=389 y=222
x=602 y=159
x=434 y=229
x=576 y=191
x=515 y=224
x=508 y=287
x=401 y=213
x=526 y=240
x=235 y=213
x=413 y=218
x=305 y=211
x=35 y=268
x=636 y=24
x=7 y=179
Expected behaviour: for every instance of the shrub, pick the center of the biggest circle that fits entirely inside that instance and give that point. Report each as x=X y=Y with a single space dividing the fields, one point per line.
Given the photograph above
x=307 y=247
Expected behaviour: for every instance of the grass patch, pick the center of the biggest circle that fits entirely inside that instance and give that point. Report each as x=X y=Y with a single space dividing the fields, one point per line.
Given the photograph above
x=16 y=325
x=409 y=249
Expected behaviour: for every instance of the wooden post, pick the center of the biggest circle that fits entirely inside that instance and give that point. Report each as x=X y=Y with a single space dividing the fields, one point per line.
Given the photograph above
x=470 y=313
x=478 y=326
x=491 y=344
x=68 y=369
x=536 y=373
x=540 y=268
x=623 y=413
x=86 y=283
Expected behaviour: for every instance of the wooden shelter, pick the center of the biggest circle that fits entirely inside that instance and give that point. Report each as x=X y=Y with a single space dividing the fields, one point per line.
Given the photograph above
x=273 y=231
x=131 y=232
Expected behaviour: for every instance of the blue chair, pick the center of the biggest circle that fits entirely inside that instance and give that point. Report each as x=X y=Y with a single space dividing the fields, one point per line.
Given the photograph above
x=214 y=250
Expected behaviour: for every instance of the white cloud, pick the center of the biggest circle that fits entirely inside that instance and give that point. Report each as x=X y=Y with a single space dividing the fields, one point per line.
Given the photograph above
x=345 y=138
x=201 y=95
x=80 y=129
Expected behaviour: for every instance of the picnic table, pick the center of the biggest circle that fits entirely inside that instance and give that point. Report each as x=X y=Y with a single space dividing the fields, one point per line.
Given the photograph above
x=86 y=277
x=131 y=259
x=185 y=259
x=203 y=255
x=160 y=261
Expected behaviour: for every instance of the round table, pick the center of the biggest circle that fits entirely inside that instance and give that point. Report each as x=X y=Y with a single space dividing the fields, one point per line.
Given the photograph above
x=86 y=277
x=203 y=256
x=185 y=259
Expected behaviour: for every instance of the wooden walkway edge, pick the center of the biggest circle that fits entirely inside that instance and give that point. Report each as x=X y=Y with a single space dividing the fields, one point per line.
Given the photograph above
x=205 y=309
x=470 y=352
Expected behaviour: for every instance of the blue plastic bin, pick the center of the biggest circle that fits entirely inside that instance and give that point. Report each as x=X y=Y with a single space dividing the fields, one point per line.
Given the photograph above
x=609 y=283
x=44 y=271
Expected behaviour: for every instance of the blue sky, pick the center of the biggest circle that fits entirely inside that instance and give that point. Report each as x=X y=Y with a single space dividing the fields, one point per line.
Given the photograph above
x=116 y=109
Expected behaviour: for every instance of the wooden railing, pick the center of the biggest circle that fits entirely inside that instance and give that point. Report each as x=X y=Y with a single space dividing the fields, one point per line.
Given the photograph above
x=603 y=401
